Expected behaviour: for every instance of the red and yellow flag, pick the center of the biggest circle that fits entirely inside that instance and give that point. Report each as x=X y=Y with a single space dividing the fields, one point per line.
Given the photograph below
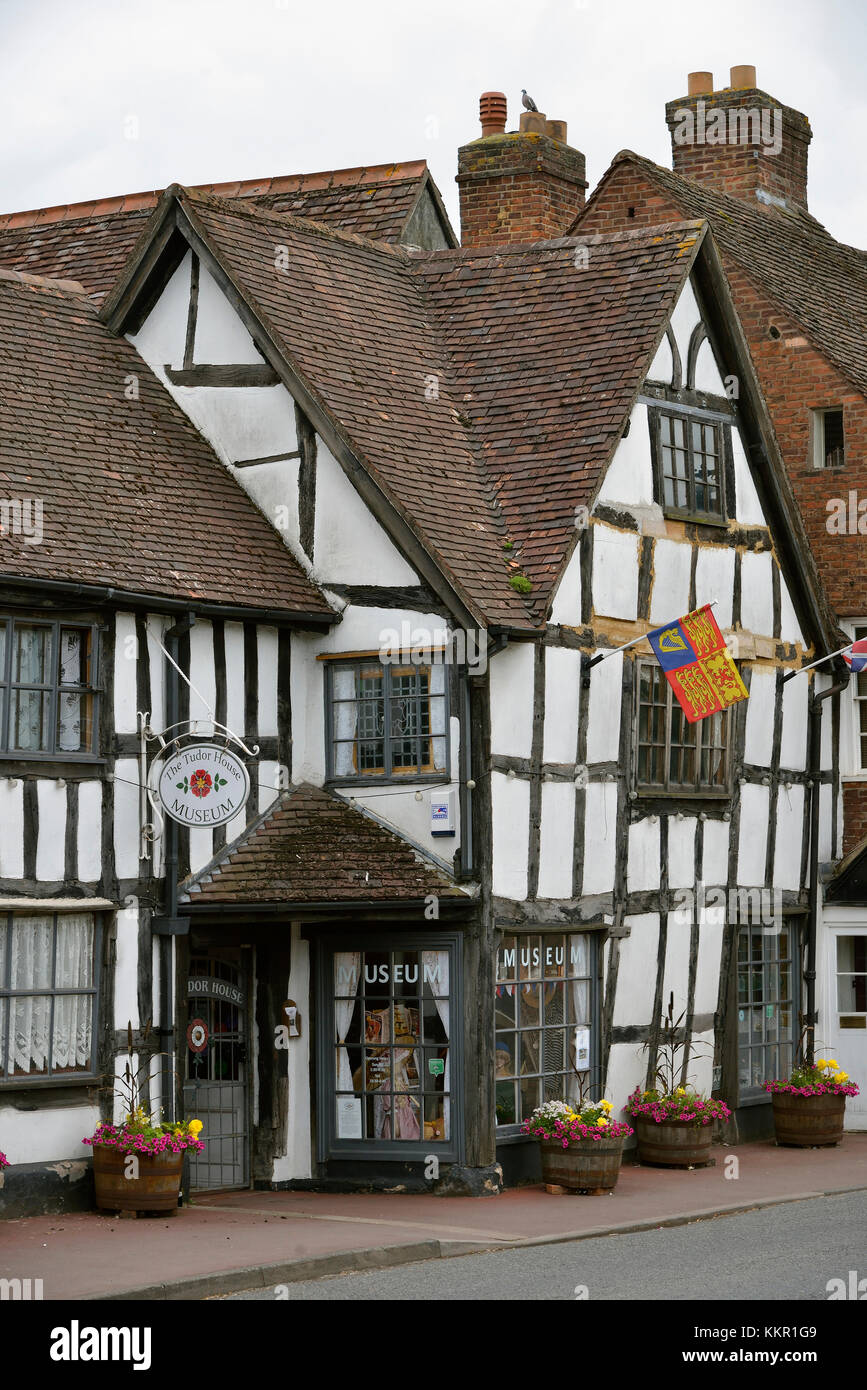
x=692 y=653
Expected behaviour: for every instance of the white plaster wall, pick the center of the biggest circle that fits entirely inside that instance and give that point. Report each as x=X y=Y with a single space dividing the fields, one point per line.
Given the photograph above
x=683 y=320
x=759 y=741
x=266 y=641
x=676 y=976
x=155 y=626
x=669 y=595
x=56 y=1138
x=160 y=339
x=753 y=835
x=790 y=628
x=126 y=968
x=220 y=335
x=12 y=824
x=511 y=688
x=52 y=830
x=714 y=581
x=627 y=1066
x=633 y=1001
x=642 y=866
x=700 y=1073
x=307 y=682
x=273 y=777
x=603 y=715
x=715 y=858
x=662 y=366
x=510 y=805
x=350 y=547
x=747 y=508
x=566 y=604
x=629 y=478
x=125 y=657
x=297 y=1162
x=557 y=837
x=201 y=848
x=126 y=818
x=203 y=677
x=712 y=919
x=825 y=804
x=681 y=851
x=615 y=572
x=757 y=602
x=562 y=698
x=793 y=741
x=233 y=637
x=600 y=830
x=789 y=831
x=707 y=373
x=89 y=846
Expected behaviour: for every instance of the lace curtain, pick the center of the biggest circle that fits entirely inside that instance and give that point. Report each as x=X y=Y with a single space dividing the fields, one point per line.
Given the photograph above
x=36 y=964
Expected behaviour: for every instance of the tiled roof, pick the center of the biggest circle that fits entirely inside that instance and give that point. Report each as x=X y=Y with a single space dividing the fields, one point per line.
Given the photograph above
x=485 y=390
x=820 y=282
x=133 y=496
x=90 y=242
x=288 y=856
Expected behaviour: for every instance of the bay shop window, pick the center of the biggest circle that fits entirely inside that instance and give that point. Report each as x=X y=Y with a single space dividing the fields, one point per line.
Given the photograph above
x=544 y=999
x=48 y=996
x=390 y=1053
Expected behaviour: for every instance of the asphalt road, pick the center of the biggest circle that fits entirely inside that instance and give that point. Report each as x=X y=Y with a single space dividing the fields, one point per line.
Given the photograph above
x=784 y=1252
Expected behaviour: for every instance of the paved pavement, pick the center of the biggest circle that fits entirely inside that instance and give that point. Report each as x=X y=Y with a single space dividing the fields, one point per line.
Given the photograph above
x=780 y=1253
x=234 y=1241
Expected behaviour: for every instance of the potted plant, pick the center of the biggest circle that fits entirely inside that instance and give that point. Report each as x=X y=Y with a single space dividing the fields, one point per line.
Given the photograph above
x=581 y=1149
x=810 y=1106
x=673 y=1121
x=137 y=1165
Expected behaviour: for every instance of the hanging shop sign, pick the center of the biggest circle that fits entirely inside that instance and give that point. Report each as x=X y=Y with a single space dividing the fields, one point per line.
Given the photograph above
x=197 y=1035
x=203 y=784
x=209 y=987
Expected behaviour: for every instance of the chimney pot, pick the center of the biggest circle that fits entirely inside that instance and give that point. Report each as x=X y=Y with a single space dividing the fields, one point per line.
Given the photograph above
x=492 y=113
x=556 y=130
x=742 y=77
x=533 y=123
x=699 y=83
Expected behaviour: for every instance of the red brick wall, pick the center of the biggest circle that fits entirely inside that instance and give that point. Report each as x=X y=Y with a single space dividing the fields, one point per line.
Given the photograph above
x=518 y=188
x=795 y=380
x=854 y=815
x=745 y=161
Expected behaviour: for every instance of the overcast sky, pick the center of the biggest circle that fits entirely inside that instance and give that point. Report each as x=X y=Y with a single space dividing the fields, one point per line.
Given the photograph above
x=99 y=97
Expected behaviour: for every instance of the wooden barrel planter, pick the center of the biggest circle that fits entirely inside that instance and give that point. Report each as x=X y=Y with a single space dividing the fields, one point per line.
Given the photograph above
x=155 y=1189
x=808 y=1122
x=673 y=1143
x=591 y=1165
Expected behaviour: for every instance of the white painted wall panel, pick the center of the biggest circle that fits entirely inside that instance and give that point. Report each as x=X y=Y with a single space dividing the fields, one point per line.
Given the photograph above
x=642 y=865
x=308 y=710
x=266 y=640
x=669 y=595
x=511 y=683
x=789 y=831
x=566 y=605
x=757 y=599
x=707 y=373
x=684 y=319
x=155 y=626
x=662 y=366
x=753 y=835
x=562 y=697
x=269 y=788
x=126 y=818
x=627 y=1067
x=11 y=830
x=676 y=975
x=790 y=628
x=600 y=837
x=615 y=572
x=510 y=799
x=52 y=830
x=234 y=646
x=55 y=1139
x=203 y=677
x=714 y=581
x=633 y=1001
x=681 y=851
x=201 y=848
x=715 y=859
x=126 y=969
x=220 y=334
x=89 y=831
x=603 y=715
x=825 y=804
x=747 y=508
x=759 y=741
x=125 y=659
x=557 y=838
x=793 y=742
x=160 y=339
x=350 y=546
x=629 y=478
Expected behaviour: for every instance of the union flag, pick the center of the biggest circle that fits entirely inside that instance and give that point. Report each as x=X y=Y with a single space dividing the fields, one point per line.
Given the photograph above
x=692 y=653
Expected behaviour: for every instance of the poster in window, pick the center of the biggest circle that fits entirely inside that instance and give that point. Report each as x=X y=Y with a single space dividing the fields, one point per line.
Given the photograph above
x=348 y=1117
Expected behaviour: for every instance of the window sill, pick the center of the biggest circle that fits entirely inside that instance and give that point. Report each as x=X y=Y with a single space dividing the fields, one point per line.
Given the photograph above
x=695 y=518
x=40 y=1083
x=47 y=764
x=647 y=794
x=438 y=779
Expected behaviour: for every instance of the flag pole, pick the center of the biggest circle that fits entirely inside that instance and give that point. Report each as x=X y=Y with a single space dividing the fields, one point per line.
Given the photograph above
x=603 y=656
x=830 y=657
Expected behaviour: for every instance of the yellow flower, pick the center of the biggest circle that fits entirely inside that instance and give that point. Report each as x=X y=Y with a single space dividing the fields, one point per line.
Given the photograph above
x=821 y=1063
x=606 y=1105
x=832 y=1062
x=194 y=1127
x=841 y=1076
x=601 y=1123
x=681 y=1091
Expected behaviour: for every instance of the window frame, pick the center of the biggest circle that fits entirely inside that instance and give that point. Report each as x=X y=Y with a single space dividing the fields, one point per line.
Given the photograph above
x=513 y=1133
x=817 y=434
x=679 y=790
x=389 y=773
x=750 y=1094
x=42 y=1079
x=691 y=415
x=329 y=1146
x=857 y=629
x=54 y=687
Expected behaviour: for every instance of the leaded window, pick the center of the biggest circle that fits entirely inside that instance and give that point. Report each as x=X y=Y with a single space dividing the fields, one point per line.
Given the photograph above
x=672 y=754
x=689 y=464
x=388 y=721
x=767 y=1005
x=48 y=995
x=48 y=697
x=543 y=997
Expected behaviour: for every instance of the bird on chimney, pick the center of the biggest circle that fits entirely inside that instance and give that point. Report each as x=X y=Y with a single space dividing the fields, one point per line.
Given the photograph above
x=528 y=102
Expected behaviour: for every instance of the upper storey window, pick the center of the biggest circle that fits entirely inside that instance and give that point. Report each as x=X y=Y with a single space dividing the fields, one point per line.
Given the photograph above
x=387 y=721
x=828 y=441
x=48 y=697
x=689 y=455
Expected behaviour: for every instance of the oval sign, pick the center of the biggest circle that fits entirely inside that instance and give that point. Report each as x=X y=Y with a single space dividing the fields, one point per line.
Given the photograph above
x=203 y=784
x=197 y=1035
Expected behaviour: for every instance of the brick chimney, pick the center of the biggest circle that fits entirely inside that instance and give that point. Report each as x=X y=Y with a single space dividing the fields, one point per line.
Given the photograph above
x=521 y=186
x=740 y=140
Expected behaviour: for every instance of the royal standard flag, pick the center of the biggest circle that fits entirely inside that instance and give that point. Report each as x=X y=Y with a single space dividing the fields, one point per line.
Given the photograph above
x=693 y=655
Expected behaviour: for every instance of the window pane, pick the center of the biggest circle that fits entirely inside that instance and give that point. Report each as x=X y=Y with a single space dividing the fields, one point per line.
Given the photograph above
x=31 y=952
x=31 y=1022
x=74 y=656
x=74 y=722
x=71 y=1044
x=32 y=662
x=74 y=963
x=29 y=721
